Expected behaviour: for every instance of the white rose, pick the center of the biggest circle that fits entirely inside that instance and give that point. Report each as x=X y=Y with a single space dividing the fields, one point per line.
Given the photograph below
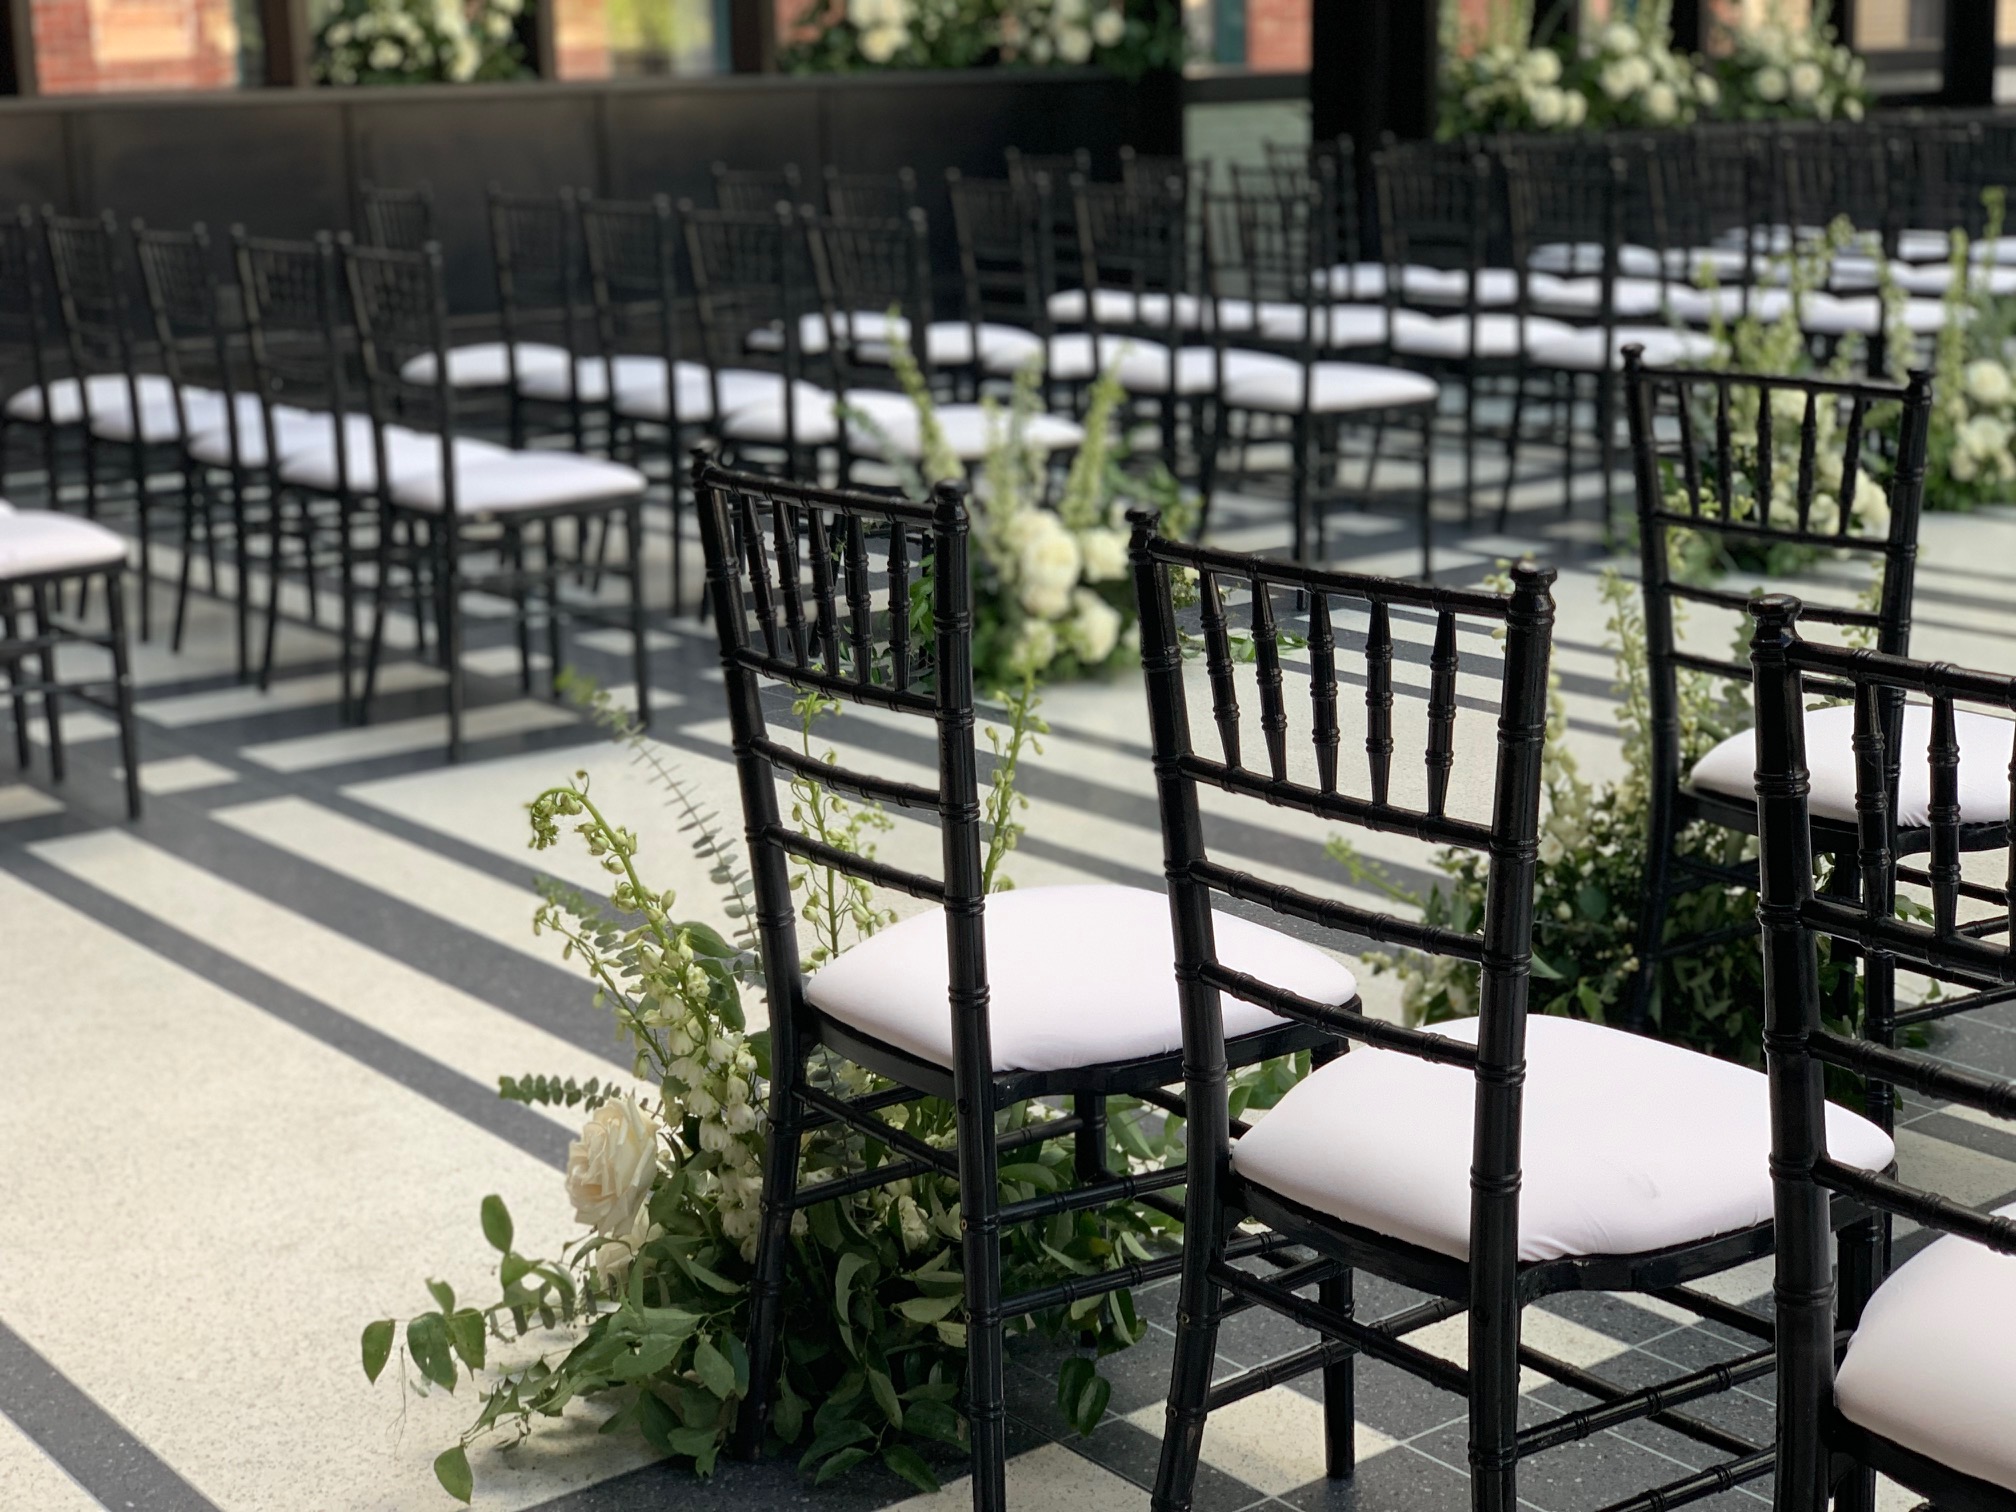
x=1549 y=106
x=1035 y=647
x=879 y=45
x=384 y=55
x=1616 y=83
x=1872 y=504
x=1852 y=108
x=1707 y=90
x=610 y=1168
x=612 y=1260
x=1577 y=110
x=1661 y=103
x=1049 y=561
x=1638 y=71
x=1986 y=382
x=1074 y=44
x=1543 y=65
x=1985 y=436
x=1771 y=84
x=1094 y=630
x=1806 y=80
x=1045 y=601
x=1109 y=27
x=1963 y=467
x=1039 y=50
x=1104 y=553
x=910 y=1222
x=1620 y=37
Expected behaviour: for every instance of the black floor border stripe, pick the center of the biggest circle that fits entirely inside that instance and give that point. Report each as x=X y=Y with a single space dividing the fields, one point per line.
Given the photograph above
x=94 y=1448
x=447 y=1088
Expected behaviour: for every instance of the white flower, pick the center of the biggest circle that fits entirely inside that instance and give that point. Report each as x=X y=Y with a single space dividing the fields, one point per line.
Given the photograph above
x=1040 y=51
x=612 y=1260
x=384 y=55
x=910 y=1222
x=1620 y=37
x=1771 y=84
x=881 y=43
x=1638 y=71
x=1047 y=566
x=1577 y=110
x=1806 y=79
x=1852 y=108
x=1074 y=44
x=1548 y=106
x=1104 y=553
x=1543 y=65
x=1985 y=437
x=1034 y=648
x=1094 y=630
x=610 y=1168
x=1109 y=27
x=1661 y=103
x=1987 y=382
x=1707 y=90
x=497 y=27
x=1872 y=504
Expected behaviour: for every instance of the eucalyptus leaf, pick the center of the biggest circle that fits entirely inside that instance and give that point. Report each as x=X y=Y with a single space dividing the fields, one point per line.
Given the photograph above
x=377 y=1347
x=451 y=1468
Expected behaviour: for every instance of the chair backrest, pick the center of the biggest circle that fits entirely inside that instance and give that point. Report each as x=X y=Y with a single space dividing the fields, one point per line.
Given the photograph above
x=291 y=297
x=1575 y=199
x=401 y=309
x=178 y=271
x=1024 y=167
x=871 y=196
x=94 y=292
x=1694 y=433
x=865 y=268
x=1962 y=939
x=1135 y=242
x=756 y=191
x=1387 y=620
x=792 y=573
x=534 y=240
x=1269 y=241
x=1859 y=174
x=23 y=290
x=1005 y=230
x=1149 y=170
x=1436 y=209
x=633 y=277
x=399 y=219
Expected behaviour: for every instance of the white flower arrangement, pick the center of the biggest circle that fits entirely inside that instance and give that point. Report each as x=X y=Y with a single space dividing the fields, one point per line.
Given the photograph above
x=419 y=42
x=1971 y=444
x=851 y=34
x=1782 y=70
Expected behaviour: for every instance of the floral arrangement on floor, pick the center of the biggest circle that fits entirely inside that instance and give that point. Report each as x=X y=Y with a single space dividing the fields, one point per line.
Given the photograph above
x=1971 y=443
x=1781 y=70
x=647 y=1310
x=1626 y=75
x=419 y=42
x=845 y=35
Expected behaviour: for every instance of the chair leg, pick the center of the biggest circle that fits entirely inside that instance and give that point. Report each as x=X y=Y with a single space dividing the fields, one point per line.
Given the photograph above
x=1298 y=495
x=514 y=559
x=38 y=598
x=1340 y=1414
x=16 y=676
x=448 y=597
x=1606 y=443
x=1197 y=1310
x=773 y=1249
x=1470 y=449
x=1428 y=494
x=346 y=649
x=980 y=1215
x=550 y=544
x=1512 y=447
x=633 y=519
x=122 y=687
x=1494 y=1405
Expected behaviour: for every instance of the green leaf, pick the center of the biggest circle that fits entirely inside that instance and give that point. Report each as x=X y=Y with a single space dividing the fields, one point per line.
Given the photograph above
x=909 y=1464
x=1091 y=1404
x=1072 y=1378
x=443 y=1295
x=465 y=1332
x=451 y=1468
x=885 y=1396
x=851 y=1265
x=716 y=1374
x=497 y=1224
x=704 y=1276
x=840 y=1464
x=427 y=1342
x=928 y=1309
x=377 y=1347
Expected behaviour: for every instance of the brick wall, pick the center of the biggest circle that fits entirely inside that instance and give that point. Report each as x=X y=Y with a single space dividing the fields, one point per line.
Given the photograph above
x=1277 y=36
x=93 y=46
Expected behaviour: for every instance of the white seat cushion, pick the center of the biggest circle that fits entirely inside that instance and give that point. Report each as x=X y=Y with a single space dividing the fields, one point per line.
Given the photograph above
x=487 y=364
x=1198 y=370
x=294 y=430
x=1730 y=770
x=1918 y=245
x=950 y=343
x=815 y=336
x=1932 y=281
x=159 y=420
x=1071 y=358
x=1701 y=306
x=518 y=481
x=1933 y=1366
x=1334 y=388
x=408 y=454
x=753 y=409
x=34 y=542
x=1336 y=326
x=1629 y=1144
x=1077 y=976
x=1630 y=298
x=1585 y=259
x=104 y=392
x=1451 y=336
x=1582 y=351
x=1826 y=314
x=1126 y=307
x=1691 y=264
x=1360 y=280
x=640 y=391
x=1494 y=287
x=969 y=430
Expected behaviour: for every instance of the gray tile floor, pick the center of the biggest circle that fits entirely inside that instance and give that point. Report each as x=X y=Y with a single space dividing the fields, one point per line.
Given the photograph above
x=297 y=979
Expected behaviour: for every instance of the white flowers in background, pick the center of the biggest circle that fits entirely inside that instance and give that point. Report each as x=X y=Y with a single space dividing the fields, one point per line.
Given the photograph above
x=1971 y=442
x=1627 y=74
x=845 y=34
x=1640 y=79
x=1780 y=69
x=882 y=27
x=419 y=42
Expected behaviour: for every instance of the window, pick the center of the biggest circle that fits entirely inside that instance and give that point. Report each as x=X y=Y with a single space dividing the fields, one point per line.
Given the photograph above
x=621 y=39
x=1263 y=36
x=97 y=46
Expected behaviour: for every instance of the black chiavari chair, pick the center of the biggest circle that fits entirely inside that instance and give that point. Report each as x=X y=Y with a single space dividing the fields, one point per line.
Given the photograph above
x=1925 y=1389
x=460 y=515
x=1458 y=1162
x=756 y=191
x=1059 y=167
x=871 y=196
x=986 y=1001
x=400 y=220
x=542 y=310
x=1007 y=267
x=1691 y=433
x=36 y=399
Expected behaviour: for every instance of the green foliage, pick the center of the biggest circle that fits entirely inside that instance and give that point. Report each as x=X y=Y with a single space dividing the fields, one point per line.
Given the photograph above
x=655 y=1301
x=1971 y=443
x=418 y=42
